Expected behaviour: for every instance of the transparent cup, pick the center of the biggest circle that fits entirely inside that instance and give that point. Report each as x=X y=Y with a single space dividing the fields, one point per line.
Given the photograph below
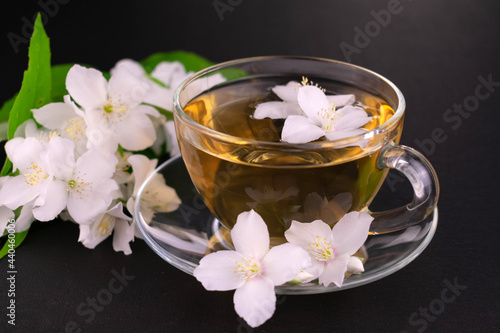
x=304 y=182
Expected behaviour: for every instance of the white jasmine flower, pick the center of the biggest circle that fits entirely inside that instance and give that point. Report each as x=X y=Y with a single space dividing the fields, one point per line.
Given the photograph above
x=25 y=156
x=84 y=185
x=112 y=221
x=332 y=249
x=290 y=105
x=23 y=221
x=157 y=197
x=113 y=109
x=252 y=269
x=169 y=74
x=322 y=119
x=65 y=118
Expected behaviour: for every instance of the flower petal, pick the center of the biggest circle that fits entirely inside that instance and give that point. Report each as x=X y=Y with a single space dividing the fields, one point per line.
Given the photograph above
x=160 y=96
x=136 y=131
x=25 y=219
x=142 y=168
x=160 y=196
x=87 y=86
x=58 y=157
x=132 y=66
x=276 y=110
x=16 y=192
x=341 y=100
x=289 y=92
x=350 y=233
x=255 y=301
x=355 y=265
x=170 y=134
x=335 y=271
x=126 y=88
x=283 y=262
x=298 y=129
x=123 y=234
x=95 y=165
x=6 y=215
x=22 y=152
x=90 y=235
x=316 y=269
x=312 y=100
x=117 y=211
x=26 y=129
x=85 y=208
x=55 y=201
x=303 y=234
x=54 y=115
x=216 y=271
x=352 y=117
x=170 y=73
x=100 y=132
x=250 y=235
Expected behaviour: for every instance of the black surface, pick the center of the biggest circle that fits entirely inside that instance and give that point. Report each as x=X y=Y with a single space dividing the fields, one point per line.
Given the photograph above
x=433 y=50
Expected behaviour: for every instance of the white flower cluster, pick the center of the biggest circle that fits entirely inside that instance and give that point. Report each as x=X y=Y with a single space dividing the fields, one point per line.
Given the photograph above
x=80 y=164
x=314 y=251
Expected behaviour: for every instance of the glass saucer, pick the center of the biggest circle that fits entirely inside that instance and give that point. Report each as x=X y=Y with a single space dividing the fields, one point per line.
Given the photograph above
x=186 y=235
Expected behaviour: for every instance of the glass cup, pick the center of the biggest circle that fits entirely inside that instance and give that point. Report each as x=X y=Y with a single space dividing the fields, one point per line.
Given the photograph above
x=237 y=165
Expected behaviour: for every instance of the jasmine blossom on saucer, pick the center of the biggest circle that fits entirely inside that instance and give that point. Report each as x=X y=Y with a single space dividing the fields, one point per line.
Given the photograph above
x=252 y=268
x=331 y=250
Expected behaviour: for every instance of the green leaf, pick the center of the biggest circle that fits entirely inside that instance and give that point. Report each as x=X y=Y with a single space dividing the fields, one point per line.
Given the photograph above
x=18 y=239
x=4 y=127
x=7 y=168
x=6 y=107
x=36 y=87
x=58 y=74
x=192 y=62
x=168 y=114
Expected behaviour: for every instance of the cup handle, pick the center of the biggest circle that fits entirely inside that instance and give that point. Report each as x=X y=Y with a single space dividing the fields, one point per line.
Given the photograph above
x=425 y=185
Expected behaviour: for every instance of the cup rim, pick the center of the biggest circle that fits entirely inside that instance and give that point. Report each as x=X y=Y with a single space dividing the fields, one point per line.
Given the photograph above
x=386 y=126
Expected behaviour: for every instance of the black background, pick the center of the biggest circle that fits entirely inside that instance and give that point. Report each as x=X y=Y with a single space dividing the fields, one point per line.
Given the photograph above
x=434 y=51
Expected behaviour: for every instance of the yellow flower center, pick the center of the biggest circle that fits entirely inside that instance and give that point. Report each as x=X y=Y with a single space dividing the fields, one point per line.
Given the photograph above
x=78 y=188
x=45 y=137
x=75 y=128
x=34 y=174
x=321 y=249
x=247 y=268
x=115 y=107
x=329 y=117
x=106 y=226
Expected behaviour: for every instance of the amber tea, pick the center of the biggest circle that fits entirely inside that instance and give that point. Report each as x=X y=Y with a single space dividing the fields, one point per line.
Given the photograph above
x=281 y=184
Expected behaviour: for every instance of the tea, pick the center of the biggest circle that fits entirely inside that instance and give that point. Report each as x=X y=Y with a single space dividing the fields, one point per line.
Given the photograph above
x=281 y=183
